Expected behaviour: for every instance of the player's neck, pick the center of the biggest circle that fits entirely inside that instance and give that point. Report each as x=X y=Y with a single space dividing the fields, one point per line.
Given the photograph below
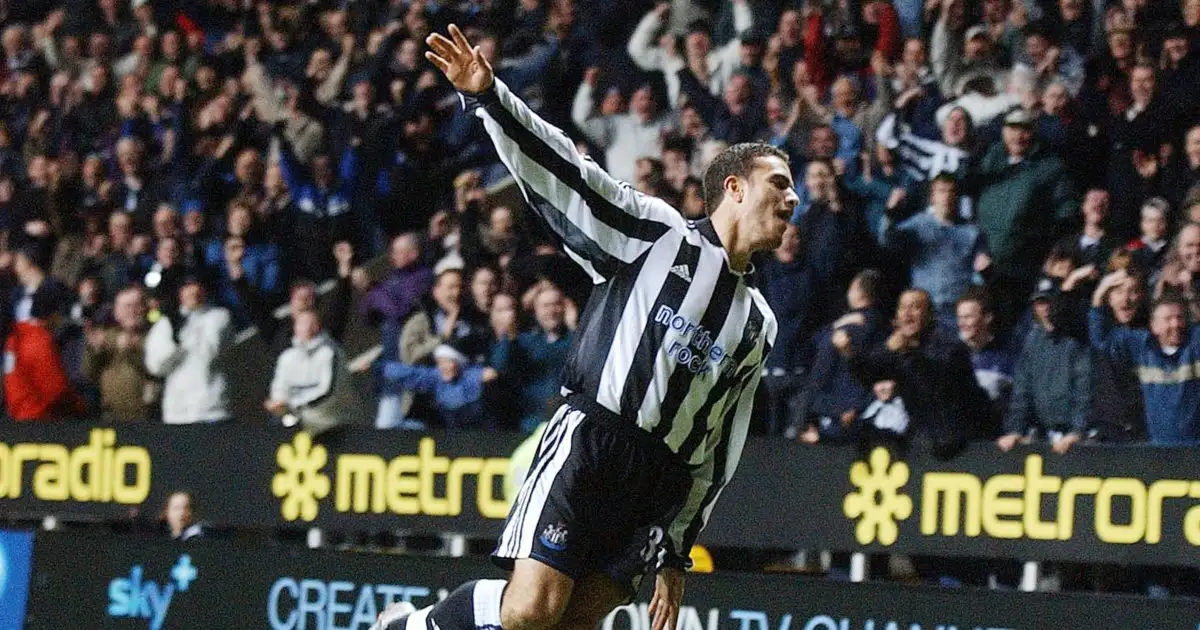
x=726 y=227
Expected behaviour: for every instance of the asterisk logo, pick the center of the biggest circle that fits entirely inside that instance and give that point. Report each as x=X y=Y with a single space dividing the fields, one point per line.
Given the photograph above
x=878 y=502
x=300 y=482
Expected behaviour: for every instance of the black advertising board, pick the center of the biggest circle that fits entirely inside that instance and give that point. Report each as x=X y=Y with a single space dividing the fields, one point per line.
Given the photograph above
x=245 y=475
x=1123 y=505
x=1120 y=505
x=82 y=582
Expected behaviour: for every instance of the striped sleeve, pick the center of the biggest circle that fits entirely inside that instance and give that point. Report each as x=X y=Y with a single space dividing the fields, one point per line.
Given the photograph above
x=602 y=223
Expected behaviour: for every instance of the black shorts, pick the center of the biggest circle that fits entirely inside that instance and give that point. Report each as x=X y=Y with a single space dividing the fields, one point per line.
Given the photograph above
x=597 y=499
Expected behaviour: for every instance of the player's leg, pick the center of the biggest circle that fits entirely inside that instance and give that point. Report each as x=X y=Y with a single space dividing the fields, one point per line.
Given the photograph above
x=533 y=598
x=536 y=598
x=594 y=596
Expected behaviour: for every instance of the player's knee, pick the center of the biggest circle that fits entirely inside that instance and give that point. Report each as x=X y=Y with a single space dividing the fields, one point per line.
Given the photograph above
x=532 y=610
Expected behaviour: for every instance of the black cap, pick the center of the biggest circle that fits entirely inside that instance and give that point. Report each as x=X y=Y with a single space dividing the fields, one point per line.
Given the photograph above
x=1046 y=289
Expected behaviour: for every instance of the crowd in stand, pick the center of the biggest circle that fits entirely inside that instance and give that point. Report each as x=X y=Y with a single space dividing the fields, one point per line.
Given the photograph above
x=998 y=188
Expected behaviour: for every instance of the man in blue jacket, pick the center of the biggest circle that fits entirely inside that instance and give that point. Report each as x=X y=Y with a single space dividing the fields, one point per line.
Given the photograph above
x=1165 y=359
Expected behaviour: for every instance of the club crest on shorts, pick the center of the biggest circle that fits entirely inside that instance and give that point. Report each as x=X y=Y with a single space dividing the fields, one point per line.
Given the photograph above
x=555 y=536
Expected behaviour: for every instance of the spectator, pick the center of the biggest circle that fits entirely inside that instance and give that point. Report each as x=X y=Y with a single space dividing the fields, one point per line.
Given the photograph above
x=1159 y=357
x=302 y=296
x=1117 y=410
x=1183 y=174
x=1093 y=244
x=835 y=397
x=533 y=361
x=457 y=386
x=1149 y=249
x=323 y=199
x=1138 y=135
x=929 y=371
x=179 y=518
x=114 y=361
x=835 y=241
x=623 y=137
x=1181 y=269
x=444 y=319
x=944 y=254
x=1025 y=202
x=484 y=287
x=33 y=284
x=397 y=296
x=247 y=267
x=733 y=118
x=311 y=383
x=714 y=67
x=186 y=348
x=36 y=384
x=992 y=357
x=782 y=283
x=1052 y=389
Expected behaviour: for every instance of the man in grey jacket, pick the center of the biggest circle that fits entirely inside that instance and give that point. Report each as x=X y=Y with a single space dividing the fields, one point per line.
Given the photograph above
x=186 y=348
x=312 y=384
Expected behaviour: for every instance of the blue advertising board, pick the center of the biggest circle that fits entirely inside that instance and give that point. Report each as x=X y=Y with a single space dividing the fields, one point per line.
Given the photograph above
x=16 y=555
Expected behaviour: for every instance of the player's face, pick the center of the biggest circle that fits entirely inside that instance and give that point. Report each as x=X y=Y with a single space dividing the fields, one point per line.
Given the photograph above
x=772 y=197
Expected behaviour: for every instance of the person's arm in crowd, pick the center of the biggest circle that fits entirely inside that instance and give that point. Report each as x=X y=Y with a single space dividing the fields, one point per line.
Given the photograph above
x=331 y=88
x=641 y=46
x=349 y=168
x=814 y=50
x=598 y=129
x=890 y=38
x=901 y=239
x=1082 y=385
x=520 y=74
x=571 y=192
x=336 y=313
x=411 y=377
x=881 y=105
x=418 y=339
x=728 y=56
x=379 y=63
x=1064 y=200
x=708 y=106
x=163 y=352
x=289 y=167
x=97 y=354
x=1020 y=406
x=1118 y=342
x=945 y=52
x=255 y=81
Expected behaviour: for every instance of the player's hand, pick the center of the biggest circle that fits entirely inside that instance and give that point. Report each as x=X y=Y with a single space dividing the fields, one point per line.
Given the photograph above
x=668 y=595
x=462 y=64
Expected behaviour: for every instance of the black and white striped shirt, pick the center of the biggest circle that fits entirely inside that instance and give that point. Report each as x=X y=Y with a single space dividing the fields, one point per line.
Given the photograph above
x=672 y=339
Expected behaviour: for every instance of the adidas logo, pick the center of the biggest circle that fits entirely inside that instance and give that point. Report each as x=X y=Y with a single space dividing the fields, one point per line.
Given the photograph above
x=682 y=271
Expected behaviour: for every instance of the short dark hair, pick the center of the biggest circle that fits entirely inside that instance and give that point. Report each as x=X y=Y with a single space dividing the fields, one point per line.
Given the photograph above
x=870 y=281
x=944 y=177
x=737 y=160
x=979 y=295
x=1173 y=298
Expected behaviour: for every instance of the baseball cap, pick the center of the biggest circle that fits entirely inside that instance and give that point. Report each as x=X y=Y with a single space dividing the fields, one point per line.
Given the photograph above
x=1018 y=118
x=1045 y=290
x=446 y=351
x=976 y=31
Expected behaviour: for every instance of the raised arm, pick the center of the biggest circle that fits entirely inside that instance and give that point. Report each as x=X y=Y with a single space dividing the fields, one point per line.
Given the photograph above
x=583 y=113
x=602 y=222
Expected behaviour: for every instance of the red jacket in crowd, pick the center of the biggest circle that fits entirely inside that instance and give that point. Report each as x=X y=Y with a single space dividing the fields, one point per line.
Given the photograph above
x=36 y=386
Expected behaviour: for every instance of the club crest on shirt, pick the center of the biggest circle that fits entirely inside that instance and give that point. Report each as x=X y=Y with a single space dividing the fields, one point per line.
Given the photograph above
x=555 y=536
